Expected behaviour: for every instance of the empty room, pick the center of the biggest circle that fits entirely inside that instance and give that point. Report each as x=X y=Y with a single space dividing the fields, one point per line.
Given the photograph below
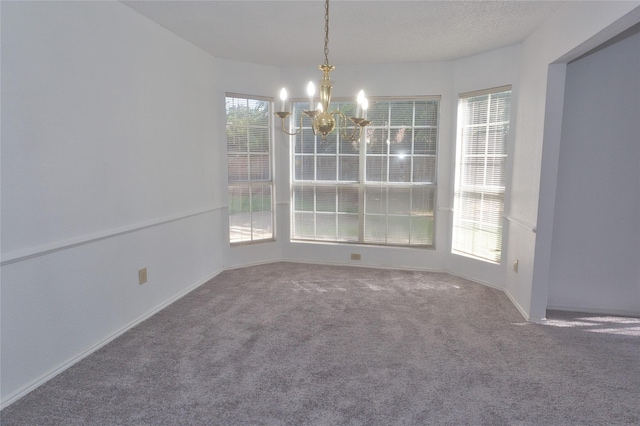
x=320 y=212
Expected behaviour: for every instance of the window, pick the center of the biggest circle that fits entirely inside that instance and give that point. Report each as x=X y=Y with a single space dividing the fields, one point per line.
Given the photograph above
x=249 y=169
x=380 y=190
x=483 y=129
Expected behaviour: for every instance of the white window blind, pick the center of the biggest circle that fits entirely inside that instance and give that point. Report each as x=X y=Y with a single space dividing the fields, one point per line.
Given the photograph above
x=380 y=190
x=483 y=130
x=249 y=169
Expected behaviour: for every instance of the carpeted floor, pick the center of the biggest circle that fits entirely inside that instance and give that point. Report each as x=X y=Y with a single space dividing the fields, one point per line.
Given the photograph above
x=301 y=344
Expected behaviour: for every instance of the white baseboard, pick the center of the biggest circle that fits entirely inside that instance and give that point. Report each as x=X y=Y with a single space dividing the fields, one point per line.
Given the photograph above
x=520 y=309
x=53 y=373
x=592 y=310
x=359 y=264
x=523 y=312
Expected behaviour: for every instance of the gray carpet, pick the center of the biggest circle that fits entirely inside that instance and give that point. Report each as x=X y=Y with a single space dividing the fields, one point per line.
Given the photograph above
x=322 y=345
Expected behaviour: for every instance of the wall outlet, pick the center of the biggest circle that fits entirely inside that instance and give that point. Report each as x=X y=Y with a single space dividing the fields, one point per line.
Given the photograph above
x=515 y=266
x=355 y=256
x=142 y=276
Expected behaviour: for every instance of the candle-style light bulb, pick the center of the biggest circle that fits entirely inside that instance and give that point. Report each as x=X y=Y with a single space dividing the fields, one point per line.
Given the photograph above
x=283 y=98
x=319 y=107
x=359 y=99
x=311 y=90
x=365 y=106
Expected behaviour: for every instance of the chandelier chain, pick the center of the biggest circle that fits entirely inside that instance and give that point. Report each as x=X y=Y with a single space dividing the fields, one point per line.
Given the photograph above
x=326 y=32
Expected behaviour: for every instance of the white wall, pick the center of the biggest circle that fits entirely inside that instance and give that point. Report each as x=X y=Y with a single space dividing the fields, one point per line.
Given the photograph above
x=596 y=237
x=572 y=28
x=108 y=166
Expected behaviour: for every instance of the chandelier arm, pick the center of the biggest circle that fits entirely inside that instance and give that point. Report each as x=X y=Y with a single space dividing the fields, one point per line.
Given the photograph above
x=344 y=128
x=283 y=116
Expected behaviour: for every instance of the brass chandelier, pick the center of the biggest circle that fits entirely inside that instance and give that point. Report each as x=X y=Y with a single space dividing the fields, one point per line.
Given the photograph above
x=323 y=120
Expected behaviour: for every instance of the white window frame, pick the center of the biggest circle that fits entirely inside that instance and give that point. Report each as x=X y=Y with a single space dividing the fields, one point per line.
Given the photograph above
x=250 y=225
x=479 y=206
x=360 y=187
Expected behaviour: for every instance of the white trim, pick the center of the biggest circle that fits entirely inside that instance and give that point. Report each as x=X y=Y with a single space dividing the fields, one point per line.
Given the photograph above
x=359 y=264
x=25 y=254
x=592 y=310
x=527 y=226
x=249 y=97
x=70 y=362
x=522 y=310
x=482 y=92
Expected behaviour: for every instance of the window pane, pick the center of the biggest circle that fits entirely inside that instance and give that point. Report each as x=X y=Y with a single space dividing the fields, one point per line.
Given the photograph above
x=328 y=145
x=496 y=169
x=425 y=141
x=376 y=169
x=325 y=199
x=303 y=198
x=349 y=147
x=375 y=229
x=400 y=169
x=305 y=142
x=500 y=106
x=239 y=214
x=399 y=201
x=303 y=225
x=476 y=110
x=326 y=226
x=422 y=230
x=237 y=139
x=424 y=169
x=260 y=169
x=400 y=141
x=422 y=201
x=378 y=112
x=399 y=152
x=401 y=113
x=426 y=113
x=250 y=213
x=349 y=169
x=259 y=140
x=497 y=143
x=348 y=200
x=238 y=168
x=376 y=200
x=304 y=167
x=261 y=212
x=348 y=227
x=398 y=228
x=474 y=140
x=327 y=168
x=257 y=113
x=377 y=140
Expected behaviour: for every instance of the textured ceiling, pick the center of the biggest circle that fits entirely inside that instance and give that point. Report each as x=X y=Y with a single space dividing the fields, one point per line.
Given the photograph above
x=291 y=33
